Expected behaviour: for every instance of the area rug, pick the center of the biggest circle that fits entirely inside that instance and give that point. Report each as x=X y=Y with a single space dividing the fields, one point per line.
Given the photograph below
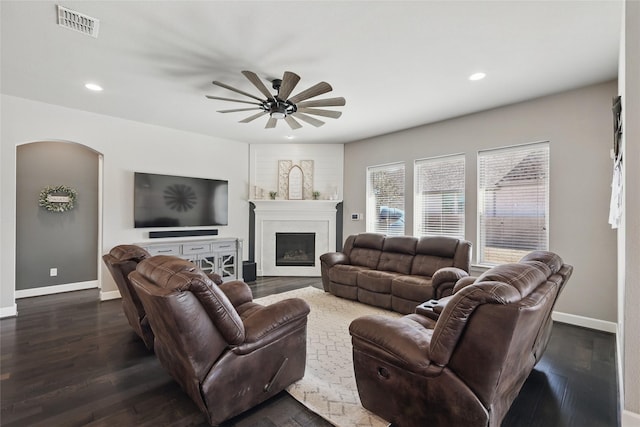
x=329 y=386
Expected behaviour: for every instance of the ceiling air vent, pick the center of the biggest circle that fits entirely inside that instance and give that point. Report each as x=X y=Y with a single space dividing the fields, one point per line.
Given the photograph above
x=78 y=22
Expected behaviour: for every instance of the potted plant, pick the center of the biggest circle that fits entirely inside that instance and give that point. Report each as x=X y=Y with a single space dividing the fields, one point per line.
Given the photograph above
x=315 y=195
x=273 y=194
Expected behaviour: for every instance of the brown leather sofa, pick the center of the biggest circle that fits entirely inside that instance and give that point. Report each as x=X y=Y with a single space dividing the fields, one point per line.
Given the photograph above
x=465 y=365
x=396 y=272
x=121 y=261
x=227 y=352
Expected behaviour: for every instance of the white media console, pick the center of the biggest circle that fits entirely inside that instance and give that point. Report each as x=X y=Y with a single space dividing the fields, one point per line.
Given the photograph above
x=212 y=255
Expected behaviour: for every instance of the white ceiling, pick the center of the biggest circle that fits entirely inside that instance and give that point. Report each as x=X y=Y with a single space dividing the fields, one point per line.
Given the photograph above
x=398 y=64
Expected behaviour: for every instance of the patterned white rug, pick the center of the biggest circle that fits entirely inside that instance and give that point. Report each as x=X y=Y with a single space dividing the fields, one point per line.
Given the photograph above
x=329 y=386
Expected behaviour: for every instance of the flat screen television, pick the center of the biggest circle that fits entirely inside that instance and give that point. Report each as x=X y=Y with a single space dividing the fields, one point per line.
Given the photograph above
x=179 y=201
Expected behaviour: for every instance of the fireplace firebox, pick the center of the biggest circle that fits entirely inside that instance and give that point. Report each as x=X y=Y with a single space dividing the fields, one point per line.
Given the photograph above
x=295 y=249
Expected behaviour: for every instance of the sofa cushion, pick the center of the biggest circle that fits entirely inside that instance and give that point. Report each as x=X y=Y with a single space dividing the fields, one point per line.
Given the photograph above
x=382 y=300
x=366 y=250
x=440 y=246
x=345 y=274
x=427 y=265
x=414 y=288
x=376 y=281
x=365 y=257
x=399 y=263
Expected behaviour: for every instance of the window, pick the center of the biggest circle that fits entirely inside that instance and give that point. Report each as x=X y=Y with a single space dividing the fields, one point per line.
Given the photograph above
x=513 y=202
x=385 y=199
x=439 y=196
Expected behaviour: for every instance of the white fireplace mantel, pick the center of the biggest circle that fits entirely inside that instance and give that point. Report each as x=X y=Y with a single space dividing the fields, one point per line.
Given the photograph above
x=292 y=216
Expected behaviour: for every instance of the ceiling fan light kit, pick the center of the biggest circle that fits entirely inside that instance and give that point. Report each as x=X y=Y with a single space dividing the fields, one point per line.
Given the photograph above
x=280 y=106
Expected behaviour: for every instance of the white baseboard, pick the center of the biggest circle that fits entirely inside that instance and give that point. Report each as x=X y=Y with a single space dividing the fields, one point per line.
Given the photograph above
x=56 y=289
x=585 y=322
x=106 y=296
x=630 y=419
x=9 y=311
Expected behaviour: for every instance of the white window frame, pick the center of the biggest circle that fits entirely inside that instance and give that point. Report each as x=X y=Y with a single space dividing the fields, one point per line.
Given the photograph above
x=518 y=208
x=448 y=219
x=374 y=225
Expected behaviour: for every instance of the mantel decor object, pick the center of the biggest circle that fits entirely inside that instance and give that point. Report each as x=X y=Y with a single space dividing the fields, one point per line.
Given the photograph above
x=59 y=198
x=295 y=182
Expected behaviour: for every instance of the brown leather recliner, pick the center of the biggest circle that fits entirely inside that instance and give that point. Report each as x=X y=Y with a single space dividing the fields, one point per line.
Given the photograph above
x=465 y=366
x=121 y=261
x=227 y=352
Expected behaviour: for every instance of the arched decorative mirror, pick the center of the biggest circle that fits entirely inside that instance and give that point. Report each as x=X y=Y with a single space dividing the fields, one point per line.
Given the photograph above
x=296 y=183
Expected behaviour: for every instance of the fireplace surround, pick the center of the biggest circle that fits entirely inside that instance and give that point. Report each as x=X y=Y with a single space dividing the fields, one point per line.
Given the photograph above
x=293 y=217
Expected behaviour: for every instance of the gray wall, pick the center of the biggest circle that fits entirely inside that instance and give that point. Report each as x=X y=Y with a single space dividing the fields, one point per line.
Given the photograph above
x=68 y=240
x=578 y=124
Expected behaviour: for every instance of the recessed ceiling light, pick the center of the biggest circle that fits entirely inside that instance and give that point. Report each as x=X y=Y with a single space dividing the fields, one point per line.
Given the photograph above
x=94 y=87
x=477 y=76
x=290 y=136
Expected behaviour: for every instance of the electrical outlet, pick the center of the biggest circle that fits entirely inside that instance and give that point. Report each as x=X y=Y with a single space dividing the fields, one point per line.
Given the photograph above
x=53 y=272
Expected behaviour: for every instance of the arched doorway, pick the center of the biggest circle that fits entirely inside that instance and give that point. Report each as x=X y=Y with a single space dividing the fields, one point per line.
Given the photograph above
x=57 y=251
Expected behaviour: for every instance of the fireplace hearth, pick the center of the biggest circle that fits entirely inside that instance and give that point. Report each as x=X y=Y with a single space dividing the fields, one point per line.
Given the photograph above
x=295 y=249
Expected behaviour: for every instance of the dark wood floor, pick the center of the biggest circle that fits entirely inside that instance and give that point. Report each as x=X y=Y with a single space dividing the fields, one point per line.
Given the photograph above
x=70 y=360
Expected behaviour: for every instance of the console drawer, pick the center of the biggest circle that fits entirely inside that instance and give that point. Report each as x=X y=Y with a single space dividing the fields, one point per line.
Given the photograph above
x=196 y=248
x=164 y=250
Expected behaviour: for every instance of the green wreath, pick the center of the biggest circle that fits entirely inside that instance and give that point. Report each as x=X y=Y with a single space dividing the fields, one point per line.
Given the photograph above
x=59 y=198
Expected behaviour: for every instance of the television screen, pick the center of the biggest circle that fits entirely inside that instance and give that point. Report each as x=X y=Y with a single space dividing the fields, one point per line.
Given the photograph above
x=178 y=201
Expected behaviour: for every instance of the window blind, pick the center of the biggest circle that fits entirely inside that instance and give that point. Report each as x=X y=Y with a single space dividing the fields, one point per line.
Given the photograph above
x=385 y=199
x=439 y=196
x=513 y=202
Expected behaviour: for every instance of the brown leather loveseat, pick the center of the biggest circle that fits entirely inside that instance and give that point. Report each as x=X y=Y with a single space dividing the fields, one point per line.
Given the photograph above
x=227 y=352
x=395 y=272
x=465 y=365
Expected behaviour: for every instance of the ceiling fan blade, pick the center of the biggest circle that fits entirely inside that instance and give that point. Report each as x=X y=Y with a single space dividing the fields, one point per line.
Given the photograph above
x=271 y=123
x=311 y=120
x=293 y=123
x=329 y=102
x=318 y=89
x=232 y=100
x=289 y=82
x=253 y=78
x=255 y=116
x=318 y=112
x=238 y=109
x=236 y=90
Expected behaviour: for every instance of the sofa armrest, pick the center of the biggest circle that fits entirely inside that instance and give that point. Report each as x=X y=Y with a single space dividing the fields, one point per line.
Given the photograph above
x=463 y=283
x=237 y=291
x=401 y=342
x=333 y=258
x=444 y=280
x=272 y=322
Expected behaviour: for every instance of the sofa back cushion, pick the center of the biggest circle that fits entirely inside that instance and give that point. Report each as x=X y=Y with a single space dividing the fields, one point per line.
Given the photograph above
x=434 y=253
x=397 y=254
x=366 y=249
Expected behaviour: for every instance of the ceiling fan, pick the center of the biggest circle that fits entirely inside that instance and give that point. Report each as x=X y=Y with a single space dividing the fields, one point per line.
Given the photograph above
x=280 y=106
